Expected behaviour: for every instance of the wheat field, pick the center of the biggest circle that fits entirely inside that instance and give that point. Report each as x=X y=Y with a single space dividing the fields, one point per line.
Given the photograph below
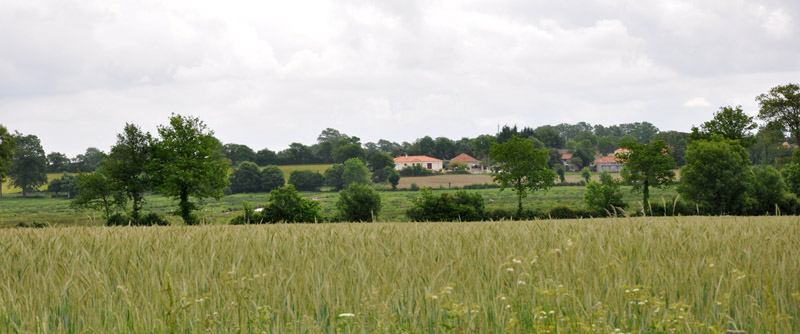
x=615 y=275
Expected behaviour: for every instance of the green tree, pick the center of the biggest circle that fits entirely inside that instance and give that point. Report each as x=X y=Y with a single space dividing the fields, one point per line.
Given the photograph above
x=266 y=157
x=378 y=164
x=306 y=180
x=333 y=177
x=272 y=178
x=586 y=174
x=782 y=106
x=126 y=165
x=791 y=174
x=28 y=165
x=66 y=184
x=57 y=162
x=461 y=206
x=716 y=176
x=348 y=151
x=648 y=165
x=604 y=195
x=246 y=178
x=359 y=203
x=354 y=172
x=730 y=122
x=238 y=153
x=288 y=206
x=88 y=161
x=7 y=146
x=607 y=145
x=768 y=190
x=393 y=178
x=521 y=166
x=481 y=145
x=187 y=162
x=96 y=192
x=560 y=172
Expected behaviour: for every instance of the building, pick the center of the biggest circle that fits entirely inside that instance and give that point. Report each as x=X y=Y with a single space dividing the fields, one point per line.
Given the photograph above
x=424 y=161
x=607 y=164
x=471 y=162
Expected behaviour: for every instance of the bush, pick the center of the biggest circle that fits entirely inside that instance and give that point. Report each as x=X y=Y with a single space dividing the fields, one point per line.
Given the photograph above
x=271 y=178
x=245 y=179
x=359 y=203
x=414 y=187
x=481 y=186
x=32 y=225
x=118 y=219
x=152 y=218
x=415 y=170
x=249 y=216
x=306 y=180
x=503 y=214
x=287 y=205
x=462 y=206
x=601 y=196
x=393 y=178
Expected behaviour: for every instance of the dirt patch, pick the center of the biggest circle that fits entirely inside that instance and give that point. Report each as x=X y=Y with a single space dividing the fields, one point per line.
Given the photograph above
x=456 y=180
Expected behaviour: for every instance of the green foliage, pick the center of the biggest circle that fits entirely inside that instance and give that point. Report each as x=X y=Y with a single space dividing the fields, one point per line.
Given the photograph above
x=333 y=177
x=249 y=216
x=7 y=147
x=288 y=206
x=560 y=172
x=187 y=162
x=717 y=176
x=246 y=178
x=271 y=178
x=359 y=203
x=791 y=174
x=767 y=191
x=521 y=166
x=354 y=172
x=604 y=195
x=729 y=122
x=461 y=206
x=378 y=164
x=57 y=162
x=413 y=187
x=586 y=174
x=118 y=219
x=126 y=165
x=782 y=106
x=415 y=170
x=648 y=165
x=266 y=157
x=66 y=184
x=393 y=178
x=88 y=161
x=29 y=164
x=306 y=180
x=96 y=192
x=348 y=151
x=238 y=153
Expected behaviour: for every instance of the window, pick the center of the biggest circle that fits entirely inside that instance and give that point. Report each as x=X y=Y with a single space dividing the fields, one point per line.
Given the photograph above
x=430 y=165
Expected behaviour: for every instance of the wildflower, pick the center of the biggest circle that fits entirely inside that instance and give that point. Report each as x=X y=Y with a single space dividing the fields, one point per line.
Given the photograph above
x=517 y=261
x=347 y=315
x=521 y=282
x=508 y=306
x=509 y=269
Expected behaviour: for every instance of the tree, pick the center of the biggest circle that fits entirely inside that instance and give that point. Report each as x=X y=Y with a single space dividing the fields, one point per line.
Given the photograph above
x=606 y=145
x=96 y=192
x=586 y=174
x=782 y=106
x=246 y=178
x=187 y=162
x=649 y=165
x=393 y=178
x=730 y=122
x=272 y=178
x=677 y=145
x=461 y=206
x=381 y=165
x=238 y=153
x=359 y=203
x=126 y=165
x=28 y=165
x=521 y=166
x=604 y=195
x=7 y=147
x=549 y=136
x=767 y=191
x=354 y=172
x=716 y=176
x=266 y=157
x=288 y=206
x=560 y=172
x=57 y=162
x=481 y=145
x=348 y=151
x=296 y=154
x=333 y=177
x=64 y=184
x=306 y=180
x=791 y=174
x=88 y=161
x=644 y=132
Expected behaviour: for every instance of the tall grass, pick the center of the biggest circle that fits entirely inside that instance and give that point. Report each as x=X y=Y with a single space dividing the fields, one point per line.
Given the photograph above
x=682 y=275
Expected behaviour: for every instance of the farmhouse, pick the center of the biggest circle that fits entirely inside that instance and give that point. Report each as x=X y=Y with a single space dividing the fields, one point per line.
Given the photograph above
x=466 y=159
x=424 y=161
x=607 y=164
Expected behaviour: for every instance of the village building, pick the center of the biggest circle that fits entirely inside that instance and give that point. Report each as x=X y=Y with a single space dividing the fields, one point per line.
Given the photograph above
x=424 y=161
x=471 y=162
x=607 y=164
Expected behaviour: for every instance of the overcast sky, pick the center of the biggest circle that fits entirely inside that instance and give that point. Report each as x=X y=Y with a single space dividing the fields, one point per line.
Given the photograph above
x=268 y=73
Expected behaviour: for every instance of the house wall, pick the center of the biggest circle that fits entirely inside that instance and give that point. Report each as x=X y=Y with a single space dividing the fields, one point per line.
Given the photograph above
x=435 y=165
x=609 y=167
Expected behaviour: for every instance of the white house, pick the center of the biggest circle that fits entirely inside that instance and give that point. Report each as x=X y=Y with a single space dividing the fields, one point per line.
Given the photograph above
x=424 y=161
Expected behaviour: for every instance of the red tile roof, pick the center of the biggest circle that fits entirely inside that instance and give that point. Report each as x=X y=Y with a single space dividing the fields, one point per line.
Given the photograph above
x=566 y=156
x=415 y=158
x=463 y=157
x=606 y=160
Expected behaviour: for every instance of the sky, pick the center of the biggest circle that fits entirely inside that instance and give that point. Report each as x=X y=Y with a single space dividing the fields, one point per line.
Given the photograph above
x=269 y=73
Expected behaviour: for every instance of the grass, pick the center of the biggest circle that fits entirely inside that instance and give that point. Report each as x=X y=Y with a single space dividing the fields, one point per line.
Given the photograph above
x=287 y=169
x=8 y=189
x=654 y=275
x=56 y=211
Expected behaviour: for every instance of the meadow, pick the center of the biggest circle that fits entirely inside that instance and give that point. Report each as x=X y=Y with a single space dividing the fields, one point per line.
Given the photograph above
x=612 y=275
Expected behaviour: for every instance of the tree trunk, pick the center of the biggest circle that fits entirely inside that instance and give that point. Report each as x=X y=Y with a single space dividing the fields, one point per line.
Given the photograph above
x=186 y=208
x=646 y=195
x=1 y=189
x=135 y=213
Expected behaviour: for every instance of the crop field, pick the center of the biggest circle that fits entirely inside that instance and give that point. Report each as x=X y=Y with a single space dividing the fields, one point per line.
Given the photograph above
x=628 y=275
x=287 y=169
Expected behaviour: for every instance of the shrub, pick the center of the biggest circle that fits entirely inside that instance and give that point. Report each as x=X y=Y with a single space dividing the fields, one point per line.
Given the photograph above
x=333 y=177
x=249 y=216
x=354 y=172
x=359 y=203
x=32 y=225
x=287 y=205
x=414 y=187
x=503 y=214
x=393 y=178
x=245 y=179
x=118 y=219
x=565 y=212
x=306 y=180
x=462 y=206
x=415 y=170
x=153 y=218
x=271 y=178
x=601 y=196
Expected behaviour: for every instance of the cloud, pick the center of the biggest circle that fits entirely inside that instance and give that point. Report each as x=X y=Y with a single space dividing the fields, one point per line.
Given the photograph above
x=697 y=102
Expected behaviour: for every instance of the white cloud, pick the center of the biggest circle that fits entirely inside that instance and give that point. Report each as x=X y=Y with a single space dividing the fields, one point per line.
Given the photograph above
x=697 y=102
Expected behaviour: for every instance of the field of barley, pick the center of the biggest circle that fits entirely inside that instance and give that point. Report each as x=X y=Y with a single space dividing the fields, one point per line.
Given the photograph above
x=629 y=275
